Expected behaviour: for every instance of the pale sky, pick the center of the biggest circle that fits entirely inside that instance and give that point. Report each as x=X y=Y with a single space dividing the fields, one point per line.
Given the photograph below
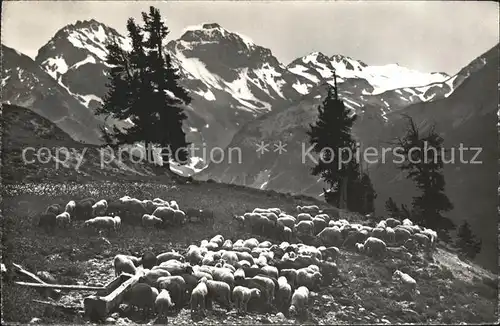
x=422 y=35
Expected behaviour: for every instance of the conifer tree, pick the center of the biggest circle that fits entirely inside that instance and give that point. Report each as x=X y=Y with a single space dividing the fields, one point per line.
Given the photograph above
x=143 y=86
x=426 y=171
x=467 y=243
x=332 y=132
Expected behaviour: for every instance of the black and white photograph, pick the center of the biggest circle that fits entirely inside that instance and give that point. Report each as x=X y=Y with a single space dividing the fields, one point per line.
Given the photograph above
x=249 y=162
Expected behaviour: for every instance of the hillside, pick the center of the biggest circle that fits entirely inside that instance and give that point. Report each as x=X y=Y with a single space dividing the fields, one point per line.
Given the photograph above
x=450 y=291
x=25 y=129
x=464 y=116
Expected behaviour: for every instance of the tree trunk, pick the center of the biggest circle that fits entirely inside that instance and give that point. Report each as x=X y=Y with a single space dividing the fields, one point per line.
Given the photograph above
x=343 y=193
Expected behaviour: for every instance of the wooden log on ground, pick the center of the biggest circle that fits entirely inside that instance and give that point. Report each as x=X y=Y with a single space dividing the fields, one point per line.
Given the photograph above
x=62 y=286
x=32 y=277
x=97 y=308
x=66 y=309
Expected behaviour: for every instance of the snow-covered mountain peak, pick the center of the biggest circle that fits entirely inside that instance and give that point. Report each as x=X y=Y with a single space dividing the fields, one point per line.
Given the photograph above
x=212 y=33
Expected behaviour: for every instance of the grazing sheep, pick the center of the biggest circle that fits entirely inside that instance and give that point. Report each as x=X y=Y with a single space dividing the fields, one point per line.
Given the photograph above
x=170 y=255
x=163 y=303
x=70 y=207
x=148 y=259
x=198 y=298
x=251 y=243
x=300 y=301
x=56 y=209
x=239 y=274
x=244 y=256
x=152 y=276
x=308 y=279
x=360 y=247
x=331 y=236
x=179 y=217
x=332 y=253
x=118 y=222
x=392 y=222
x=194 y=255
x=218 y=239
x=283 y=294
x=329 y=271
x=141 y=296
x=381 y=225
x=401 y=235
x=227 y=245
x=378 y=233
x=291 y=276
x=269 y=285
x=123 y=263
x=399 y=252
x=175 y=267
x=151 y=221
x=407 y=222
x=218 y=291
x=375 y=247
x=101 y=223
x=99 y=208
x=241 y=296
x=47 y=221
x=63 y=220
x=223 y=275
x=422 y=239
x=305 y=228
x=176 y=286
x=408 y=281
x=304 y=217
x=288 y=221
x=319 y=224
x=432 y=236
x=390 y=235
x=270 y=271
x=166 y=214
x=311 y=209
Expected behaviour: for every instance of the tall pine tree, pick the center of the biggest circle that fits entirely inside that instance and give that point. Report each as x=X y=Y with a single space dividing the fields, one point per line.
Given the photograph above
x=426 y=170
x=331 y=133
x=143 y=86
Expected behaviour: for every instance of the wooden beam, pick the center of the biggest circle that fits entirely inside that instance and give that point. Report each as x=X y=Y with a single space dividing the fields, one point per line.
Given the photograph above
x=97 y=307
x=17 y=268
x=61 y=286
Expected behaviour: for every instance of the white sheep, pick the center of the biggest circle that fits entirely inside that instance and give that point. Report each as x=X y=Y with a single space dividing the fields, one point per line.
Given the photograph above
x=392 y=222
x=118 y=222
x=151 y=221
x=70 y=207
x=305 y=227
x=300 y=300
x=241 y=296
x=163 y=303
x=219 y=290
x=123 y=263
x=375 y=247
x=198 y=297
x=283 y=294
x=288 y=221
x=63 y=220
x=101 y=223
x=408 y=281
x=312 y=209
x=331 y=236
x=304 y=217
x=407 y=222
x=99 y=208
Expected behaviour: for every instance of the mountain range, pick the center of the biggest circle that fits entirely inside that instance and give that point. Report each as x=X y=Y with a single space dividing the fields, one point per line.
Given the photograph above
x=243 y=95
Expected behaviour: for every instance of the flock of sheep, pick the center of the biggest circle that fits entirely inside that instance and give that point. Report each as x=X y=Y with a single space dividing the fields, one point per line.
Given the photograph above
x=157 y=213
x=247 y=273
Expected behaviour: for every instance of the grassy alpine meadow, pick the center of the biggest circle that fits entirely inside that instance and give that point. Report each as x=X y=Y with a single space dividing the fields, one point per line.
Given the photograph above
x=456 y=292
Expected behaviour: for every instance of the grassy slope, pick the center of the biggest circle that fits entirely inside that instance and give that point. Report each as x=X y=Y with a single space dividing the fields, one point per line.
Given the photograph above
x=456 y=293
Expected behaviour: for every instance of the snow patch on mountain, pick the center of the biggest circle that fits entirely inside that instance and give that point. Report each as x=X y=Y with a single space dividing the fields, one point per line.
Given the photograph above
x=301 y=88
x=55 y=66
x=88 y=59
